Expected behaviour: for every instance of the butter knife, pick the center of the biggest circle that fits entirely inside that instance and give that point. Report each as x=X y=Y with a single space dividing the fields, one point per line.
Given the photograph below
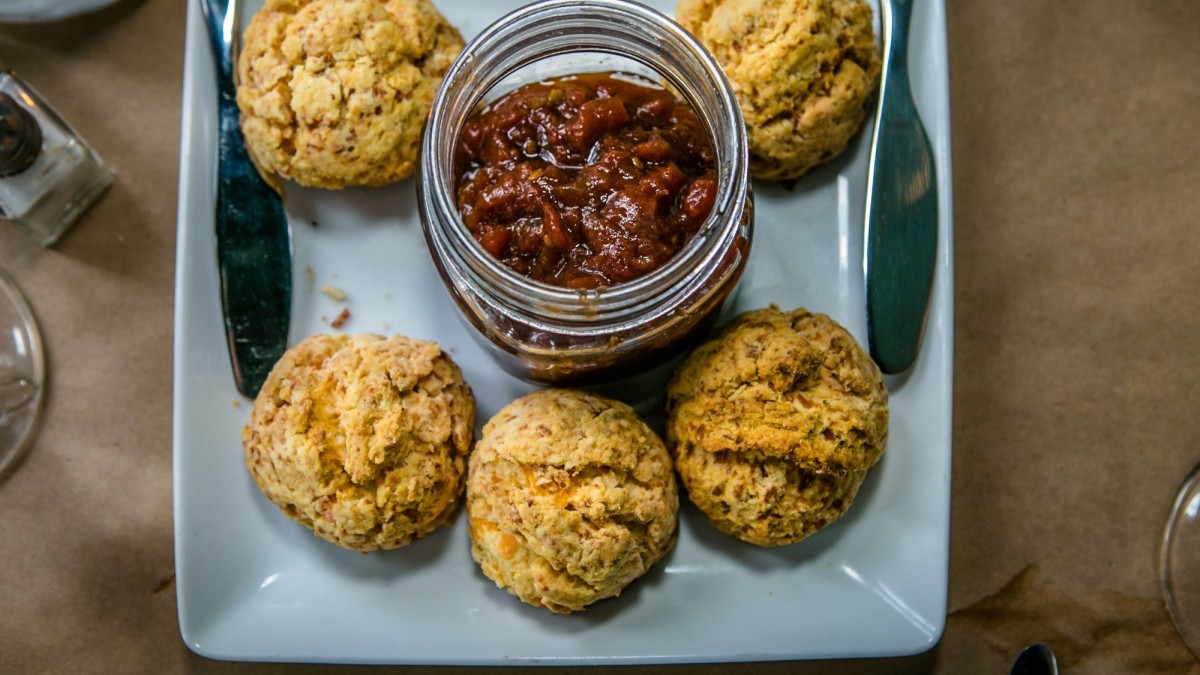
x=902 y=209
x=254 y=242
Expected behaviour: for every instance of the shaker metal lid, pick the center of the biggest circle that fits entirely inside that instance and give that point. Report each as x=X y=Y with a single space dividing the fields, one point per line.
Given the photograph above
x=20 y=137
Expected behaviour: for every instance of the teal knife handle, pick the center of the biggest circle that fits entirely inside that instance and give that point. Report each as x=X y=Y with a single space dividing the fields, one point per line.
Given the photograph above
x=254 y=255
x=902 y=209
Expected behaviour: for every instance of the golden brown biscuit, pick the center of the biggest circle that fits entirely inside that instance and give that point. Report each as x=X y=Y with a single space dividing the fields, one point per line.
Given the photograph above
x=334 y=92
x=570 y=497
x=773 y=424
x=804 y=72
x=363 y=439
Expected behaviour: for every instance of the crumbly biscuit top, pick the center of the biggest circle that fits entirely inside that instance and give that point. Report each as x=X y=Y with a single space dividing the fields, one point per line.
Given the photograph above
x=571 y=497
x=803 y=70
x=766 y=501
x=585 y=430
x=774 y=384
x=363 y=438
x=334 y=92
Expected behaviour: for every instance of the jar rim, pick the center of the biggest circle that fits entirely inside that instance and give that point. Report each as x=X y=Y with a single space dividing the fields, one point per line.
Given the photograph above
x=452 y=106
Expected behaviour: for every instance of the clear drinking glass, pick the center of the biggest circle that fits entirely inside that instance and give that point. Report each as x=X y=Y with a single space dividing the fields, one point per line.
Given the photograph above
x=22 y=375
x=1180 y=561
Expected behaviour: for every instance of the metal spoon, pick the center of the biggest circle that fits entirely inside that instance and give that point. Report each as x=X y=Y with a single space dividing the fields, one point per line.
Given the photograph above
x=1037 y=659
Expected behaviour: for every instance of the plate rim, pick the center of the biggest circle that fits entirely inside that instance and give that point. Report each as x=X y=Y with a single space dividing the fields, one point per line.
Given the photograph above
x=191 y=178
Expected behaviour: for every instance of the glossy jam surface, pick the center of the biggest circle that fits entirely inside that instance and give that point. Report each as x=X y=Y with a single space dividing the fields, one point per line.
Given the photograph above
x=585 y=181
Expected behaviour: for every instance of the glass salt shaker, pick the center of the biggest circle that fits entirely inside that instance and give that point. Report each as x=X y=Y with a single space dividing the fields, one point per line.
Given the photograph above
x=48 y=174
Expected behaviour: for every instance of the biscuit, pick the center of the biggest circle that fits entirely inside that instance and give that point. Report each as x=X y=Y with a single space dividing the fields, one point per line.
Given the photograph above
x=333 y=93
x=774 y=423
x=570 y=497
x=804 y=72
x=363 y=439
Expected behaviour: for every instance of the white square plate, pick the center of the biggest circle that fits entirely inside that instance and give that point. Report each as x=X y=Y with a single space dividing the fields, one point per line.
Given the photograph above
x=252 y=585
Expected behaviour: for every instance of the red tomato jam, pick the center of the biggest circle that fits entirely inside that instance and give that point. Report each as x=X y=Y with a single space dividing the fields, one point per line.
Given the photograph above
x=585 y=181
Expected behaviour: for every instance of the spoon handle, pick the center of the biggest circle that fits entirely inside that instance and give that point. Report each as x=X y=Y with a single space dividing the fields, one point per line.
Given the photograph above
x=902 y=208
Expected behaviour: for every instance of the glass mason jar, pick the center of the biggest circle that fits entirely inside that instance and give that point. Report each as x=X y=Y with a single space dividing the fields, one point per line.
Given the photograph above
x=561 y=336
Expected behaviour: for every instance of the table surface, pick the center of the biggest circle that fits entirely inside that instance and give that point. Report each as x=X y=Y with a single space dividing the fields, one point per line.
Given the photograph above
x=1076 y=172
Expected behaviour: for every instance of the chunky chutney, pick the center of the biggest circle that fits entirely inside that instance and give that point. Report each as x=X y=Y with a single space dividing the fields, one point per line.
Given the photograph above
x=585 y=181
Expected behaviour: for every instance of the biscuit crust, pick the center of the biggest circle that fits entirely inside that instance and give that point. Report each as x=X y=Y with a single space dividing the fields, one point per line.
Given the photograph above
x=774 y=423
x=363 y=439
x=334 y=93
x=805 y=72
x=570 y=498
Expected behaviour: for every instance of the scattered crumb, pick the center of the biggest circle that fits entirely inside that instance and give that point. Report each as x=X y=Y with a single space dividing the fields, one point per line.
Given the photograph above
x=164 y=584
x=237 y=404
x=387 y=296
x=311 y=276
x=334 y=292
x=341 y=318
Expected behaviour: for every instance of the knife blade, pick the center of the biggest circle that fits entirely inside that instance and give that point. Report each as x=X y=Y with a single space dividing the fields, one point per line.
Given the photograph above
x=254 y=241
x=902 y=208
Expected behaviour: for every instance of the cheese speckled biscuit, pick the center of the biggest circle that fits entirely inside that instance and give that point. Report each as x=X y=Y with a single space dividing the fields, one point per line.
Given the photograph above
x=570 y=497
x=363 y=439
x=334 y=92
x=804 y=72
x=774 y=423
